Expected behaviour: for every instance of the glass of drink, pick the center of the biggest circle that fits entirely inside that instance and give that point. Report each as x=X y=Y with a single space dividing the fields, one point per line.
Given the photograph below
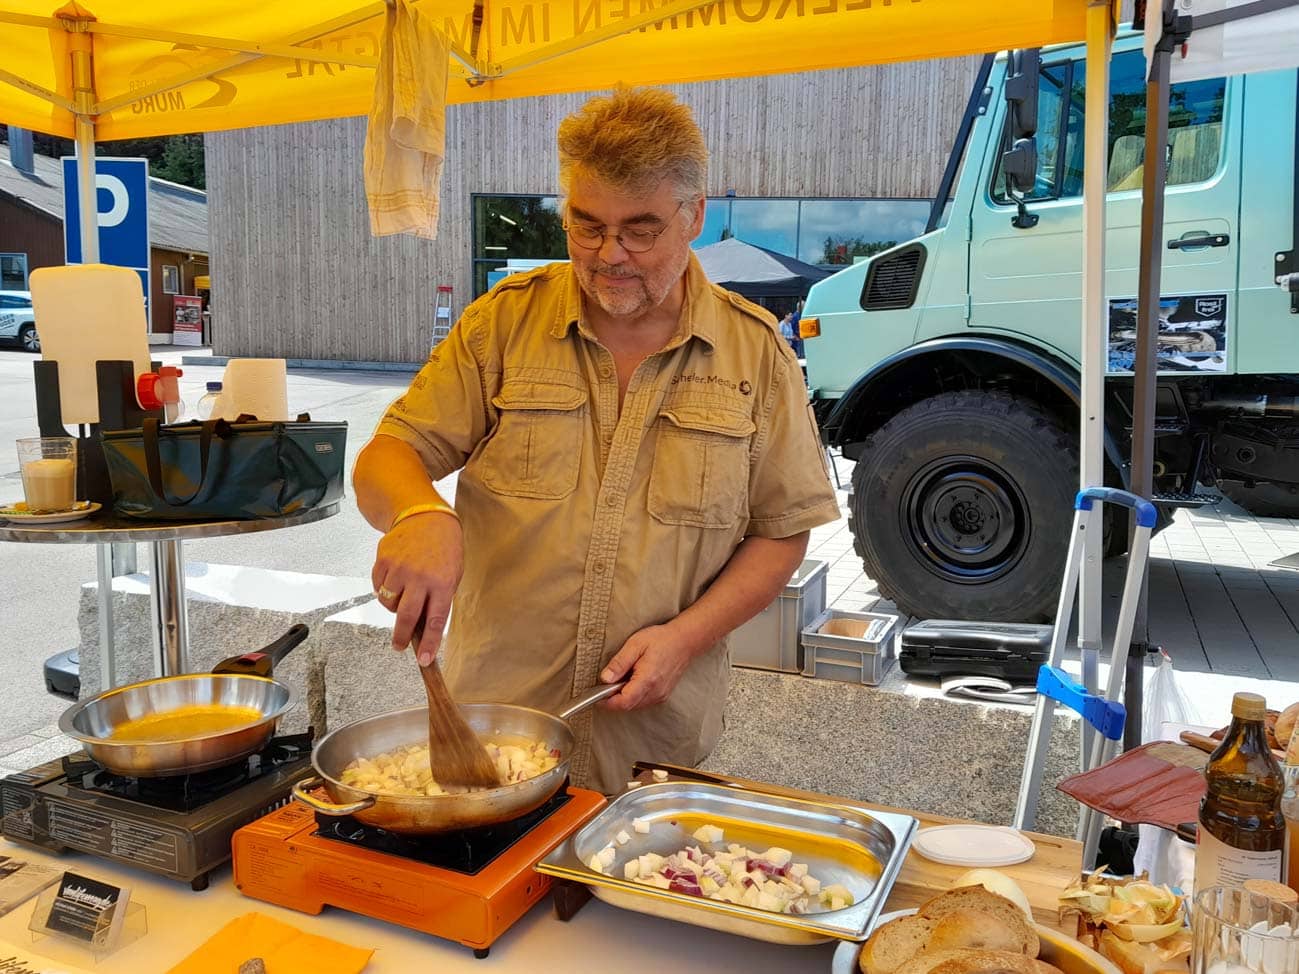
x=1238 y=932
x=49 y=469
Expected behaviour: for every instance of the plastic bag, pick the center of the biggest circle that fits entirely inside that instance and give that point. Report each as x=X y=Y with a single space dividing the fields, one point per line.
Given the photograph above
x=1165 y=701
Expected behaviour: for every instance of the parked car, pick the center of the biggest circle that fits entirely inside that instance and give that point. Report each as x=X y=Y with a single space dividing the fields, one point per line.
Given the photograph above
x=18 y=320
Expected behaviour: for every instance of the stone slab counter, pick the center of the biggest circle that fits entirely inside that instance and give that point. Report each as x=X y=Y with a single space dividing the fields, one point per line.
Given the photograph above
x=362 y=674
x=232 y=609
x=895 y=744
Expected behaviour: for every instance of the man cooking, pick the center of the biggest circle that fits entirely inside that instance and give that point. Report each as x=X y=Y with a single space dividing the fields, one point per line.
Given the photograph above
x=639 y=463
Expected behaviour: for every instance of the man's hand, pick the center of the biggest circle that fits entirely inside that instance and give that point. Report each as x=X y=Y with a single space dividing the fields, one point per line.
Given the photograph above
x=416 y=572
x=655 y=658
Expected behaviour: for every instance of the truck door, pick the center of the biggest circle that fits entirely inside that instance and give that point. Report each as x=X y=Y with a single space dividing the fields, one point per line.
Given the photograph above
x=1029 y=281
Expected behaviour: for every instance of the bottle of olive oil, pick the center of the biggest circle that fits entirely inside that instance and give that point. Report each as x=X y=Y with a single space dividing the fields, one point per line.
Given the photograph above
x=1242 y=831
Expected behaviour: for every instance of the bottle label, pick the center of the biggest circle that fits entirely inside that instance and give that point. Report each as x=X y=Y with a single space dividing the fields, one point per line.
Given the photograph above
x=1218 y=864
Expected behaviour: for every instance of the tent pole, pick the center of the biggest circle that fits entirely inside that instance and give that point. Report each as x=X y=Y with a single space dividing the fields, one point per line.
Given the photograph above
x=83 y=97
x=1095 y=325
x=1150 y=265
x=111 y=559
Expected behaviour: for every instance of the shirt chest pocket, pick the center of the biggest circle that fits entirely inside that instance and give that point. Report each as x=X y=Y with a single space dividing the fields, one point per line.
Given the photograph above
x=536 y=448
x=701 y=466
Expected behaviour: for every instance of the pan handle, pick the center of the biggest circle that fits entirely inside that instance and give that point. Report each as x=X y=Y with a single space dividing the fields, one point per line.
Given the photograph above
x=592 y=696
x=300 y=792
x=262 y=662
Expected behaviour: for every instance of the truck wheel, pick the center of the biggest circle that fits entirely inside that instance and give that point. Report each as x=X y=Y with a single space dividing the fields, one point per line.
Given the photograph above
x=1264 y=499
x=961 y=507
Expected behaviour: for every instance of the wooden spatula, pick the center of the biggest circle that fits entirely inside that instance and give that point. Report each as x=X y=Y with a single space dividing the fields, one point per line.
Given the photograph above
x=455 y=754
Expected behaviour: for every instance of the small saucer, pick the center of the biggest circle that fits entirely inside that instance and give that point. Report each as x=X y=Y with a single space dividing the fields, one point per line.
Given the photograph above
x=18 y=513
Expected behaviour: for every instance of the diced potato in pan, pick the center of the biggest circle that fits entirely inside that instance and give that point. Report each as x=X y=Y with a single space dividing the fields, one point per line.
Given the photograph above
x=405 y=771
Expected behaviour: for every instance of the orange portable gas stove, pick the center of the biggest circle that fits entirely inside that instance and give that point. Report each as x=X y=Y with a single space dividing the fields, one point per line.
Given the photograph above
x=468 y=886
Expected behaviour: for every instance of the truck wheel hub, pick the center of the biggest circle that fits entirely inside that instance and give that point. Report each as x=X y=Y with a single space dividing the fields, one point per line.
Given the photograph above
x=967 y=519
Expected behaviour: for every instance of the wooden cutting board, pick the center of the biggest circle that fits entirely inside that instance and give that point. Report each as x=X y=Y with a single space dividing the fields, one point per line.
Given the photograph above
x=1056 y=864
x=85 y=313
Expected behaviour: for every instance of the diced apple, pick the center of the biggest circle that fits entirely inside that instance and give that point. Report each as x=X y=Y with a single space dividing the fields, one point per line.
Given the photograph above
x=631 y=870
x=651 y=862
x=709 y=885
x=634 y=784
x=777 y=856
x=660 y=774
x=597 y=863
x=836 y=892
x=622 y=837
x=708 y=833
x=811 y=884
x=798 y=870
x=750 y=897
x=641 y=825
x=768 y=902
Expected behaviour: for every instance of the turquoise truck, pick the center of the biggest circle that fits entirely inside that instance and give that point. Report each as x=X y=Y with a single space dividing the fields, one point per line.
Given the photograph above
x=948 y=367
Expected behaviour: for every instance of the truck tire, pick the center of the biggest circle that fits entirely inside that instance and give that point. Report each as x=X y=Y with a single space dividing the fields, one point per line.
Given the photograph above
x=961 y=507
x=1264 y=499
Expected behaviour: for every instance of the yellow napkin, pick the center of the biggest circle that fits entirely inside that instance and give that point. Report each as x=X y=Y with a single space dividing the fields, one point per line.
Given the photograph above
x=405 y=140
x=282 y=948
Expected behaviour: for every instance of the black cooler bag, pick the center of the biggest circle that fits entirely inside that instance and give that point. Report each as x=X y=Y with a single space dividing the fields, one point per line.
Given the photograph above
x=218 y=470
x=1011 y=651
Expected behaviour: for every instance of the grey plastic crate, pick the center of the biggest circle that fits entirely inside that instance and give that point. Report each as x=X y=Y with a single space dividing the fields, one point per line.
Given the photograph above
x=771 y=639
x=852 y=647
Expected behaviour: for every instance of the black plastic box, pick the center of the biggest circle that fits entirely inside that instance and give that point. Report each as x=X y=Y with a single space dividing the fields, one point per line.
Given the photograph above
x=1011 y=651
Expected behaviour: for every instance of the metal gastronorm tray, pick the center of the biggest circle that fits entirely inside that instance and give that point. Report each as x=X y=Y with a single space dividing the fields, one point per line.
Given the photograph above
x=860 y=850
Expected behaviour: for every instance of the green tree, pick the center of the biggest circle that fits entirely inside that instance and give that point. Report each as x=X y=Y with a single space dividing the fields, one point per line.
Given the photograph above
x=178 y=158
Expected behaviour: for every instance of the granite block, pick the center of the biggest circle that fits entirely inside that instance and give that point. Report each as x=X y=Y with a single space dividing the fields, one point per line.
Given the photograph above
x=899 y=744
x=361 y=672
x=878 y=744
x=231 y=610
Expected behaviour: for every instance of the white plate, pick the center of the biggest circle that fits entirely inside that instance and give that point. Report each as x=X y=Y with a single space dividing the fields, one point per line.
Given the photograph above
x=86 y=509
x=973 y=845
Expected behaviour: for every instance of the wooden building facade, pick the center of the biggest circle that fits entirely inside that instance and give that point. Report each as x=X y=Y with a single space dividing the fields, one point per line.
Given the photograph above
x=296 y=274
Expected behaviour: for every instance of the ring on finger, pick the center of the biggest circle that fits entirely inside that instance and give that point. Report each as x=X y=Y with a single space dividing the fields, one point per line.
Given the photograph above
x=386 y=594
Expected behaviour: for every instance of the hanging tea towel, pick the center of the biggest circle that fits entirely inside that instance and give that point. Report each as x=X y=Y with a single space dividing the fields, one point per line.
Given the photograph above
x=405 y=141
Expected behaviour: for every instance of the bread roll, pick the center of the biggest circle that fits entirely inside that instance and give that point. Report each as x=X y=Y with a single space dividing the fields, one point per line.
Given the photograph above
x=969 y=918
x=1285 y=725
x=975 y=962
x=895 y=943
x=982 y=931
x=980 y=900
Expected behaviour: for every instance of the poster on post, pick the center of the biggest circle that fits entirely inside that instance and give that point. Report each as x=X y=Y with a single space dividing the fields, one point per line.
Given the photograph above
x=1192 y=334
x=187 y=320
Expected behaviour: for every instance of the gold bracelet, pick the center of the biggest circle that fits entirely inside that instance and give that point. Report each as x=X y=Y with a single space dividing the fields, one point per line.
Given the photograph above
x=432 y=507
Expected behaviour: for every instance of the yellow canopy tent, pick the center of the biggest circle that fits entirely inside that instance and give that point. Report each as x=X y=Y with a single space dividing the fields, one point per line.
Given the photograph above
x=162 y=67
x=112 y=69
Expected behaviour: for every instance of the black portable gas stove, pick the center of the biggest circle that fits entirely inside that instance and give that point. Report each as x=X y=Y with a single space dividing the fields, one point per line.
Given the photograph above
x=178 y=826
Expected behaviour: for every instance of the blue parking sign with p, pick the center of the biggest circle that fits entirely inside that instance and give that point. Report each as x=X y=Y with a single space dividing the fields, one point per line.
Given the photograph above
x=122 y=195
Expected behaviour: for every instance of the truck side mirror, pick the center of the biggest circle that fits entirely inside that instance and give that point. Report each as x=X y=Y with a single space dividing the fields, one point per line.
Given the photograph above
x=1019 y=166
x=1022 y=73
x=1019 y=163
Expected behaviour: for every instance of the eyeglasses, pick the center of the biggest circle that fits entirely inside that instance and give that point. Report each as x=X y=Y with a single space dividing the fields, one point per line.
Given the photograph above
x=634 y=240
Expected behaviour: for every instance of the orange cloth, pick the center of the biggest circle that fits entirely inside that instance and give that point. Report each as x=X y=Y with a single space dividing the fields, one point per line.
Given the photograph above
x=282 y=948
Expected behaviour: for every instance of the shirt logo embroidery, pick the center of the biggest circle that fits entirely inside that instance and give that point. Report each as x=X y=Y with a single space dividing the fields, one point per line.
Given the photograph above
x=743 y=387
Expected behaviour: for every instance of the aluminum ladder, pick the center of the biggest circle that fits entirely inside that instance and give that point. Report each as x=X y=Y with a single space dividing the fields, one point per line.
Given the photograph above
x=1105 y=713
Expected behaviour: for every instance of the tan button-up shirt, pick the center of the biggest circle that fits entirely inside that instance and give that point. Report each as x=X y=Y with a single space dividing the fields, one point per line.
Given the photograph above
x=584 y=524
